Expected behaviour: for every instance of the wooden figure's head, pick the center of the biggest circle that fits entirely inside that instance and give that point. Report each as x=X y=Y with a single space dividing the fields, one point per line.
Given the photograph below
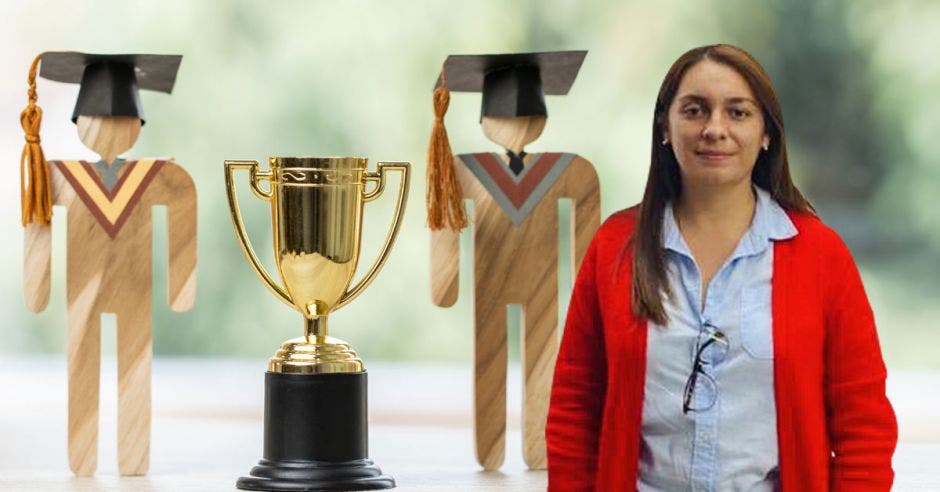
x=108 y=136
x=108 y=113
x=513 y=86
x=513 y=133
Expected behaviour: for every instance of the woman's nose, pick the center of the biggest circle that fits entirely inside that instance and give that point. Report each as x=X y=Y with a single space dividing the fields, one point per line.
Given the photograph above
x=715 y=128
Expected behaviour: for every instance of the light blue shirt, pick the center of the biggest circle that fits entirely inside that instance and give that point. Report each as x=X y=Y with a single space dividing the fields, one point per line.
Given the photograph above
x=732 y=443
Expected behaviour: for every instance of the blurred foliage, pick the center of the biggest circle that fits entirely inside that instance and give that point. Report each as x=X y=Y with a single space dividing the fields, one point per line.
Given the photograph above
x=857 y=81
x=822 y=68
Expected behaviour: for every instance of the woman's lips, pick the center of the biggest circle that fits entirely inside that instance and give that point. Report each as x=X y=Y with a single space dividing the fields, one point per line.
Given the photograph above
x=713 y=156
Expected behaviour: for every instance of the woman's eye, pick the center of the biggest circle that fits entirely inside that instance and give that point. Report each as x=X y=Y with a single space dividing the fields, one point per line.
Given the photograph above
x=692 y=111
x=739 y=114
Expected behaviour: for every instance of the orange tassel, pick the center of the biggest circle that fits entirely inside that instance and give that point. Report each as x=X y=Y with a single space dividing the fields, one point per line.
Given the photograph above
x=444 y=199
x=35 y=187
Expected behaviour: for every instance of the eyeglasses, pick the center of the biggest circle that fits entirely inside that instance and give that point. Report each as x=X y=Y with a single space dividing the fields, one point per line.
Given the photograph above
x=700 y=378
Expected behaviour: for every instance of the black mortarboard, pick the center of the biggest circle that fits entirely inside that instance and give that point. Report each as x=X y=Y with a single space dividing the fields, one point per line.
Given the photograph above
x=513 y=84
x=109 y=83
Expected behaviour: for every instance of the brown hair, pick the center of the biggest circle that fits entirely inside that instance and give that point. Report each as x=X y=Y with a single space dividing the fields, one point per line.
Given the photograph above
x=664 y=183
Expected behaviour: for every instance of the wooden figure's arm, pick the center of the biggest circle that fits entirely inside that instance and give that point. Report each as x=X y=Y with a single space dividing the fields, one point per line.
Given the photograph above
x=37 y=265
x=37 y=248
x=584 y=190
x=445 y=267
x=181 y=222
x=445 y=253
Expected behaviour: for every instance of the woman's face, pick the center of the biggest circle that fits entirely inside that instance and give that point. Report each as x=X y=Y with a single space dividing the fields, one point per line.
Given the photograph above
x=715 y=126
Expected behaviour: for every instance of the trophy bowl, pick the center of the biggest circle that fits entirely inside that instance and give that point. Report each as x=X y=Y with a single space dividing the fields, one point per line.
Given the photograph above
x=315 y=424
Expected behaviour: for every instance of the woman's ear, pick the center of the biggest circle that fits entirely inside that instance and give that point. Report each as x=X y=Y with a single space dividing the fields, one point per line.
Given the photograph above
x=765 y=142
x=665 y=132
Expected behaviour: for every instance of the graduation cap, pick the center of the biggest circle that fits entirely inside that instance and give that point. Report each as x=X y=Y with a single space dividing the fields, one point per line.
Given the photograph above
x=513 y=85
x=110 y=83
x=109 y=86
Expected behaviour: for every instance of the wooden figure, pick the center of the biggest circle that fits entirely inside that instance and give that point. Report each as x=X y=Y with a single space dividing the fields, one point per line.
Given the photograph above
x=109 y=241
x=515 y=237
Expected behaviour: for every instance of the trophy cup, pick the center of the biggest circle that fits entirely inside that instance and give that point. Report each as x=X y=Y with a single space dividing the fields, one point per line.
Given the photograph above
x=315 y=427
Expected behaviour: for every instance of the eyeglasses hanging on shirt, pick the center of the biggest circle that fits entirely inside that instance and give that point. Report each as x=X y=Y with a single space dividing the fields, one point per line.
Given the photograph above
x=699 y=378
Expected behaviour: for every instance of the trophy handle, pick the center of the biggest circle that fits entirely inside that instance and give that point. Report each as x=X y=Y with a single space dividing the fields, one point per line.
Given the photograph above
x=255 y=177
x=367 y=196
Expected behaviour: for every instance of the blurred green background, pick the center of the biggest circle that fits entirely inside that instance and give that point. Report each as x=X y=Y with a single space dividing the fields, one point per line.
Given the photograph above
x=857 y=80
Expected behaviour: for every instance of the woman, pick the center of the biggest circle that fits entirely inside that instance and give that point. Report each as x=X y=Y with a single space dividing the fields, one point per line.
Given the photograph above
x=719 y=336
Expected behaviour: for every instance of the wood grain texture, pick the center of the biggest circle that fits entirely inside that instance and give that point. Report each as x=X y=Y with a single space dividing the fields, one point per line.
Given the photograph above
x=515 y=265
x=108 y=136
x=114 y=275
x=513 y=132
x=37 y=265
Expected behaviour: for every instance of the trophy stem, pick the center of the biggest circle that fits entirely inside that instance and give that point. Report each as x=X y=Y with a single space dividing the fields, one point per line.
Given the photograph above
x=315 y=352
x=315 y=327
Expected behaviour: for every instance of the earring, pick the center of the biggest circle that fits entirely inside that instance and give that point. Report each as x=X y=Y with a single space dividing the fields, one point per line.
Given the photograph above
x=766 y=145
x=665 y=141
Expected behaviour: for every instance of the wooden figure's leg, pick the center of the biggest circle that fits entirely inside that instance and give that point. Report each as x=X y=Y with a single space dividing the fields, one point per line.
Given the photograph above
x=134 y=352
x=539 y=349
x=83 y=346
x=489 y=381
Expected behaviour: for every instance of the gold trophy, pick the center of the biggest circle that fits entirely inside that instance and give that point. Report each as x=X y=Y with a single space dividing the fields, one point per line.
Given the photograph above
x=315 y=410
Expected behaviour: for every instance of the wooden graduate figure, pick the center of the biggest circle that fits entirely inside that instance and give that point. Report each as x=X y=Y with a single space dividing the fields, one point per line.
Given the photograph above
x=515 y=235
x=108 y=267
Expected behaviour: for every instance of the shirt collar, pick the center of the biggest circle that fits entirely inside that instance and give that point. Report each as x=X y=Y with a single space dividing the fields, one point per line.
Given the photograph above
x=770 y=223
x=672 y=239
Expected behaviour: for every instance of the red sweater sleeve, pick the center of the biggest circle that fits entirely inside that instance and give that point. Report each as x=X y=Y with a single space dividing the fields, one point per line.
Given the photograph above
x=574 y=414
x=862 y=425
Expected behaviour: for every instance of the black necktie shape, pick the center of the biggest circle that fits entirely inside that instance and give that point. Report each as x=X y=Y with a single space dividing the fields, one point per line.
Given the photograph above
x=516 y=164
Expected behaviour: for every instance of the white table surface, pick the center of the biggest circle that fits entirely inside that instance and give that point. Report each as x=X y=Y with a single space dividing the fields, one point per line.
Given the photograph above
x=207 y=427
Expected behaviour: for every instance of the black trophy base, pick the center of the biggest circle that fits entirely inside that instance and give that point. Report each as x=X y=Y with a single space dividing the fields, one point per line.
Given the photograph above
x=314 y=476
x=316 y=435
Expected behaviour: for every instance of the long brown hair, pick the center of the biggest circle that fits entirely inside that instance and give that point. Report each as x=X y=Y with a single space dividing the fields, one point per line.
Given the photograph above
x=664 y=183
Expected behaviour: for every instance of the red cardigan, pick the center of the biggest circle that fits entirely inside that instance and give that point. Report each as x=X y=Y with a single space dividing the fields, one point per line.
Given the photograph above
x=836 y=429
